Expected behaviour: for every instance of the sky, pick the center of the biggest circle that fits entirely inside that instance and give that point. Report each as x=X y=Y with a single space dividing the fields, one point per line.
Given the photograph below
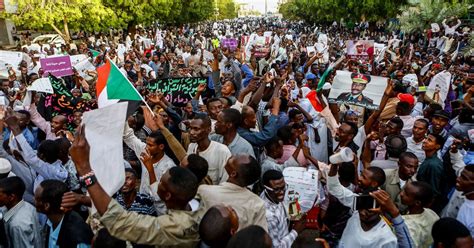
x=259 y=5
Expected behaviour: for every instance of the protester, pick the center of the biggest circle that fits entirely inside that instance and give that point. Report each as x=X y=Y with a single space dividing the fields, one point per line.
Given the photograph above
x=218 y=225
x=417 y=196
x=243 y=170
x=396 y=179
x=238 y=104
x=21 y=220
x=277 y=217
x=216 y=154
x=63 y=229
x=465 y=183
x=448 y=232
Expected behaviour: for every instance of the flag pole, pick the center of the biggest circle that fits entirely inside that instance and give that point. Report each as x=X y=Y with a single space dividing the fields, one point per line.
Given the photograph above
x=148 y=106
x=143 y=100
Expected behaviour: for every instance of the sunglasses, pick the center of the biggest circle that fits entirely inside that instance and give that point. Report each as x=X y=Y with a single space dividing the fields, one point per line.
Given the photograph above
x=276 y=190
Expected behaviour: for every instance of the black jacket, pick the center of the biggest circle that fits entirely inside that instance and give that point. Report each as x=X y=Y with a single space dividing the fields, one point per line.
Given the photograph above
x=73 y=231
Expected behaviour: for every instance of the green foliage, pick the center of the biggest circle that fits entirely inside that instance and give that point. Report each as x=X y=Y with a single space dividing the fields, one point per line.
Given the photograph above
x=100 y=15
x=227 y=9
x=133 y=12
x=469 y=49
x=89 y=15
x=419 y=15
x=189 y=11
x=317 y=11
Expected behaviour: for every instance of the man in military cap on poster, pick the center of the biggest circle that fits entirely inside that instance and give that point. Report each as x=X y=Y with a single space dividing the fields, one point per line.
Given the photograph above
x=359 y=82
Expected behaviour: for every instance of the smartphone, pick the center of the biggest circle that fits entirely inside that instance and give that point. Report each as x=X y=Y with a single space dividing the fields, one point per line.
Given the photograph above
x=364 y=202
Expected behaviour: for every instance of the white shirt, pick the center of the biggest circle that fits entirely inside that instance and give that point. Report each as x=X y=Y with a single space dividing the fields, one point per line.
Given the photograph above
x=416 y=148
x=355 y=237
x=408 y=122
x=216 y=155
x=466 y=215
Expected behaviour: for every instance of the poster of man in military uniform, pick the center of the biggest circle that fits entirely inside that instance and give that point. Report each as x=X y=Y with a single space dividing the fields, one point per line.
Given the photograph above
x=357 y=89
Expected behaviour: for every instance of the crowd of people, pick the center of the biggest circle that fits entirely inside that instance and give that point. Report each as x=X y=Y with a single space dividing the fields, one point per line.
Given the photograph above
x=210 y=173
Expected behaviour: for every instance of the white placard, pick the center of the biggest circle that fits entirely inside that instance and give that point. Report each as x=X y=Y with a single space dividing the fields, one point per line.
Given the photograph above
x=303 y=186
x=41 y=85
x=440 y=81
x=104 y=131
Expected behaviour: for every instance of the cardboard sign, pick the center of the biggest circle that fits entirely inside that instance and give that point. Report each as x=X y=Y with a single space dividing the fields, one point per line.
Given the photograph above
x=75 y=59
x=179 y=91
x=62 y=103
x=58 y=66
x=230 y=43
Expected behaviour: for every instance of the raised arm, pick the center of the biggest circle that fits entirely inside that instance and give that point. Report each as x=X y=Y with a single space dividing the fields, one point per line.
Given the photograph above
x=375 y=115
x=156 y=123
x=46 y=170
x=38 y=120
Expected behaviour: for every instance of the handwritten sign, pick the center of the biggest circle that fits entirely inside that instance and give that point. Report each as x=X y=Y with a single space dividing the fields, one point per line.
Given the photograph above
x=58 y=66
x=230 y=43
x=61 y=102
x=178 y=90
x=303 y=189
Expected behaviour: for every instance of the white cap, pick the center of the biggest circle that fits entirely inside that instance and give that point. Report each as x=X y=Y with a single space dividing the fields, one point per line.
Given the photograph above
x=5 y=166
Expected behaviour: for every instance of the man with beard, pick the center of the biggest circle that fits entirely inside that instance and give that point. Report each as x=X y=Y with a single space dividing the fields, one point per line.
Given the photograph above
x=345 y=135
x=215 y=153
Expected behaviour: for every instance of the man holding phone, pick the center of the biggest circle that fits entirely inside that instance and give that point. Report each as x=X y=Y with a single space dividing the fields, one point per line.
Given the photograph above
x=366 y=228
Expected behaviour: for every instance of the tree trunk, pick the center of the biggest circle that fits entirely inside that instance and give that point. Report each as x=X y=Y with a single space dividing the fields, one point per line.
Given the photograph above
x=132 y=29
x=57 y=30
x=66 y=31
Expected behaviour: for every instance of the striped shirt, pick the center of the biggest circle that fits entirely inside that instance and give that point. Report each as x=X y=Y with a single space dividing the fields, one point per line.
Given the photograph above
x=143 y=204
x=278 y=222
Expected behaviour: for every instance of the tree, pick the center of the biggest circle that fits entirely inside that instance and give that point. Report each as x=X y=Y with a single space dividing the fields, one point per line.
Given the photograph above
x=190 y=11
x=62 y=15
x=227 y=9
x=134 y=12
x=320 y=11
x=419 y=15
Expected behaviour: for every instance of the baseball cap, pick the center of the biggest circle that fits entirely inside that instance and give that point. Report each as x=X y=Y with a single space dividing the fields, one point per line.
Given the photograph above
x=442 y=114
x=405 y=97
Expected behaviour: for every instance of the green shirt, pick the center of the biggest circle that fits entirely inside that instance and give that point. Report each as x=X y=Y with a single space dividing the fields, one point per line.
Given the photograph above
x=431 y=171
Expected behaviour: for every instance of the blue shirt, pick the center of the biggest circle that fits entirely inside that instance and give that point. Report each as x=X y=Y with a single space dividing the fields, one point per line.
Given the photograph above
x=54 y=234
x=29 y=135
